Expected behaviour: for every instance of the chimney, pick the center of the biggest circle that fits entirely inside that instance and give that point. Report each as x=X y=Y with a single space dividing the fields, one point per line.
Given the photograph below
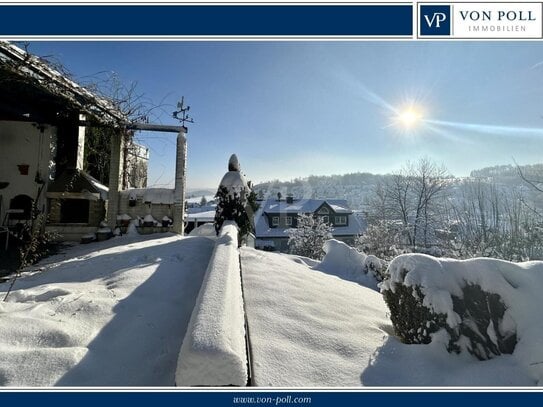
x=290 y=199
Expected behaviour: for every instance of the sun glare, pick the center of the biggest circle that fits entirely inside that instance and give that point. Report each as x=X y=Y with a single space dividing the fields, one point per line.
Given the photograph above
x=409 y=118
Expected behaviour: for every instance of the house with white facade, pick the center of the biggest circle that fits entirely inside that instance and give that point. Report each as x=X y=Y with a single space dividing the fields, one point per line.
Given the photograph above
x=276 y=216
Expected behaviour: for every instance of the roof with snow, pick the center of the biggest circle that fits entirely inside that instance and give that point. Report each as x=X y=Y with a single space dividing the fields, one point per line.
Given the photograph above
x=77 y=181
x=305 y=206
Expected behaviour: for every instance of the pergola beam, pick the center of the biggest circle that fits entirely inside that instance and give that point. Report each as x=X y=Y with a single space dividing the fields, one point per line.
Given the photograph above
x=155 y=127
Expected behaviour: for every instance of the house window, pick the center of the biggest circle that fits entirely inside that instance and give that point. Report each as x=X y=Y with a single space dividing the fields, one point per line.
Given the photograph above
x=289 y=221
x=324 y=210
x=326 y=219
x=341 y=220
x=275 y=220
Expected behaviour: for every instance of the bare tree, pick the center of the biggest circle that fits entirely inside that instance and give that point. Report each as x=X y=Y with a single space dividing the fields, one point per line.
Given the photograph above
x=408 y=204
x=492 y=220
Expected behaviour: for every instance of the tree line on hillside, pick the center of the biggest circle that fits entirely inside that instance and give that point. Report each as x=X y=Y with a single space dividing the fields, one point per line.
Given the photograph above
x=357 y=187
x=422 y=208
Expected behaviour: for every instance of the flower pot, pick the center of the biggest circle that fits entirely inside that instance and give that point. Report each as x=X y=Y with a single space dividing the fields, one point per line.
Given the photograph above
x=23 y=168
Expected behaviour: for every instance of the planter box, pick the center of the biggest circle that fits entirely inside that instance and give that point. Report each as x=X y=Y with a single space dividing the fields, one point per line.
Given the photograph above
x=147 y=230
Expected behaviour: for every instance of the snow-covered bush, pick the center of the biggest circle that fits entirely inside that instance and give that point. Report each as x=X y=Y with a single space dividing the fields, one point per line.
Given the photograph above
x=347 y=263
x=375 y=267
x=309 y=237
x=380 y=239
x=488 y=307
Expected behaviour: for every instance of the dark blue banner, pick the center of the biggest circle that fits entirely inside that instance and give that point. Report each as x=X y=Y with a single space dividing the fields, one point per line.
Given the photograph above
x=223 y=20
x=269 y=398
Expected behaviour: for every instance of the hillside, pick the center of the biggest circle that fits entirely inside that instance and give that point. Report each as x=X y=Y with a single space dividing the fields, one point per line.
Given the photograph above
x=357 y=187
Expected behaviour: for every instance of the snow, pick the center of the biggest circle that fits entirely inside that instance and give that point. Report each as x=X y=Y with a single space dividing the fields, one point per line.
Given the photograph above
x=213 y=351
x=519 y=286
x=207 y=216
x=116 y=313
x=195 y=200
x=311 y=329
x=308 y=328
x=347 y=263
x=207 y=229
x=153 y=195
x=103 y=190
x=235 y=183
x=272 y=205
x=149 y=219
x=111 y=313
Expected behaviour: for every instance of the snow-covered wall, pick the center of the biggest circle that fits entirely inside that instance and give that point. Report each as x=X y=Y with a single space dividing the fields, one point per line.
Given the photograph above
x=213 y=351
x=24 y=143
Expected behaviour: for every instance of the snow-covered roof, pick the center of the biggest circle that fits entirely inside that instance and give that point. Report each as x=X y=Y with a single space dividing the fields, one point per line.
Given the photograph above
x=77 y=181
x=305 y=206
x=200 y=209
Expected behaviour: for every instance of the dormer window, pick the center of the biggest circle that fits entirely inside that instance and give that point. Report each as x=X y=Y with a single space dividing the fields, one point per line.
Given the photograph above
x=341 y=220
x=288 y=221
x=275 y=220
x=324 y=211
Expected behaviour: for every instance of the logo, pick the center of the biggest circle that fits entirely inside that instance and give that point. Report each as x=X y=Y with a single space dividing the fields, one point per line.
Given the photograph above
x=435 y=20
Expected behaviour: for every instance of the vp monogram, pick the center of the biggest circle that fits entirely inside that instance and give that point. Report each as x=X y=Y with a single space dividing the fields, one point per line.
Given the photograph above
x=437 y=19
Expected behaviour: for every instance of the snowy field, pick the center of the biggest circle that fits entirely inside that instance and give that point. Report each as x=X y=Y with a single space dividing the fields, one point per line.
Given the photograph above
x=115 y=313
x=311 y=329
x=112 y=313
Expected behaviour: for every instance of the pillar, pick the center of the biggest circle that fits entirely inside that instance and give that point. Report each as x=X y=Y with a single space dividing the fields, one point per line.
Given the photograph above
x=115 y=172
x=179 y=191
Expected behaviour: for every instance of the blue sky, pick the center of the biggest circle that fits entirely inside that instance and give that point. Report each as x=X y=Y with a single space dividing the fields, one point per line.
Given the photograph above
x=292 y=109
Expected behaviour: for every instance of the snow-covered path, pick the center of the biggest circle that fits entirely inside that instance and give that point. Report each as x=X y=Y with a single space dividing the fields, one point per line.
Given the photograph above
x=113 y=315
x=308 y=328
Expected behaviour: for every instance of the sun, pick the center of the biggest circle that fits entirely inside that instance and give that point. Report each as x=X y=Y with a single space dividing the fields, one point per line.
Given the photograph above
x=409 y=118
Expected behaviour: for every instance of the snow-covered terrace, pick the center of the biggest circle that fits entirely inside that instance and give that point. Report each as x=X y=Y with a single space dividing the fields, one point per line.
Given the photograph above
x=112 y=313
x=115 y=313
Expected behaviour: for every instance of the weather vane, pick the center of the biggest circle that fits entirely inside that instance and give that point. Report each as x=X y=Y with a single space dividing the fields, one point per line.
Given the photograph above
x=182 y=113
